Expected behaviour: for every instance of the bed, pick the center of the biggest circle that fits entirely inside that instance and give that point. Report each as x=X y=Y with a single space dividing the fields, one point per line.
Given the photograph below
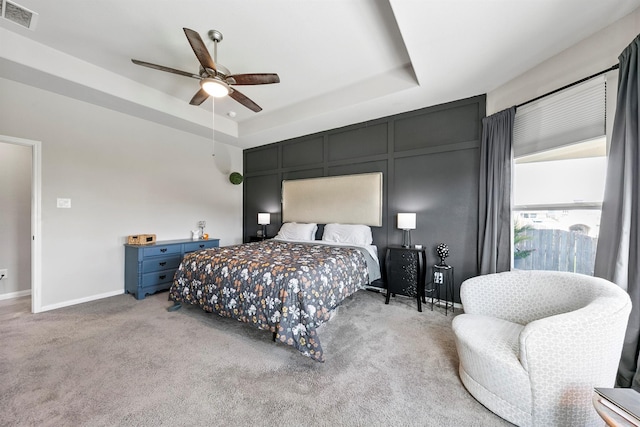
x=291 y=285
x=288 y=288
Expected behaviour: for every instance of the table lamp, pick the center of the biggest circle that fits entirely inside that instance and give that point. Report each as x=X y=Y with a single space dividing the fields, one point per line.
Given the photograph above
x=406 y=222
x=264 y=218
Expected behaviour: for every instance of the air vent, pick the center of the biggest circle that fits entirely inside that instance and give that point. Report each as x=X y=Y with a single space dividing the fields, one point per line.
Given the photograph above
x=19 y=15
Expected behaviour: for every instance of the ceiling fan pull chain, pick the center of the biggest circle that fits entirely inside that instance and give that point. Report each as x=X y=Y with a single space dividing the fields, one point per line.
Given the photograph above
x=213 y=128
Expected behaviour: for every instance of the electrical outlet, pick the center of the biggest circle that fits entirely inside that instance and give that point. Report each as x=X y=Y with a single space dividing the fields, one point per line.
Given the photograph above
x=3 y=273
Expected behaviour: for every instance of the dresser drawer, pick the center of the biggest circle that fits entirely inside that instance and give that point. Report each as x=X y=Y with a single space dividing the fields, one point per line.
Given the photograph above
x=157 y=277
x=404 y=273
x=200 y=245
x=160 y=263
x=160 y=250
x=400 y=257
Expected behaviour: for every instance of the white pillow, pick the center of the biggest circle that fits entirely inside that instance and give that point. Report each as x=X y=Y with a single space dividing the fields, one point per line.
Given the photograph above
x=297 y=231
x=348 y=233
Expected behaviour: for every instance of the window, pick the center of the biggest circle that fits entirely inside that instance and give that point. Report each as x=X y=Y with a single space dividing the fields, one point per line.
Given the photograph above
x=558 y=179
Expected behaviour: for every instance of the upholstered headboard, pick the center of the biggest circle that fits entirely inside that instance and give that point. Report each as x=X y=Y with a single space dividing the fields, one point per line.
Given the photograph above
x=346 y=199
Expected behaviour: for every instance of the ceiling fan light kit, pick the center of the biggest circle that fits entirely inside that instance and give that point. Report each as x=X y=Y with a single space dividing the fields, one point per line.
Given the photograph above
x=215 y=79
x=214 y=87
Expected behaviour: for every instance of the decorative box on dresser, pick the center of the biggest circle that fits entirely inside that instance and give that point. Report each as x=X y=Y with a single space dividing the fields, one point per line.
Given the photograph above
x=405 y=272
x=150 y=268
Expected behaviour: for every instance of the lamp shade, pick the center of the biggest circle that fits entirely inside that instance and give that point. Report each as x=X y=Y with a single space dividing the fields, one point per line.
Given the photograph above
x=407 y=221
x=264 y=218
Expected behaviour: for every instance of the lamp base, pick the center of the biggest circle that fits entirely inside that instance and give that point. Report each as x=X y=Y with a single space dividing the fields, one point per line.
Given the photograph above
x=406 y=238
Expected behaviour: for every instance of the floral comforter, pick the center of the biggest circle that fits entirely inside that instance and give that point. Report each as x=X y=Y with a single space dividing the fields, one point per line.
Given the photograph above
x=285 y=287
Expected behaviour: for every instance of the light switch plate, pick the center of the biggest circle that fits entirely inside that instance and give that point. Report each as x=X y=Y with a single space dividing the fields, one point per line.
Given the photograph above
x=63 y=203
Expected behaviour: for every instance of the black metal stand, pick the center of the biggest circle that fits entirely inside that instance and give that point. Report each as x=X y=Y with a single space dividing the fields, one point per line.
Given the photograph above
x=442 y=280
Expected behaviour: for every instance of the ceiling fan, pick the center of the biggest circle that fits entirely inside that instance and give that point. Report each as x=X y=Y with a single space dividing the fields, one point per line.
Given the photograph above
x=215 y=79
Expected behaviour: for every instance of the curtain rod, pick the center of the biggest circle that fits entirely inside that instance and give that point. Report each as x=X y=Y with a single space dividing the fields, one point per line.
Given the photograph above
x=613 y=67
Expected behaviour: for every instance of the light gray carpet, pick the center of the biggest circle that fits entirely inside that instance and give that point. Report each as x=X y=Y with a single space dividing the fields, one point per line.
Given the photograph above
x=123 y=362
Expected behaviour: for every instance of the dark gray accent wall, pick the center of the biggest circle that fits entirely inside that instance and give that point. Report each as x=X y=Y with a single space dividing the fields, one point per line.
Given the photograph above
x=430 y=164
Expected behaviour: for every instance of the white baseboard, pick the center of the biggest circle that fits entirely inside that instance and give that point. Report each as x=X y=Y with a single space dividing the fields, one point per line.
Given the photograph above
x=12 y=295
x=81 y=300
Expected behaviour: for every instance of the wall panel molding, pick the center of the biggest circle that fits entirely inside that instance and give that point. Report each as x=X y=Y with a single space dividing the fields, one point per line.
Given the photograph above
x=429 y=159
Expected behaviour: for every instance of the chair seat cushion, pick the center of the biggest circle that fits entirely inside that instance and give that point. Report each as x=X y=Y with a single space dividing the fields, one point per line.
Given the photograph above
x=489 y=349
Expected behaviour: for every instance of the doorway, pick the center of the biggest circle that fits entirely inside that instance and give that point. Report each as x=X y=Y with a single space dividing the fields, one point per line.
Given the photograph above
x=36 y=246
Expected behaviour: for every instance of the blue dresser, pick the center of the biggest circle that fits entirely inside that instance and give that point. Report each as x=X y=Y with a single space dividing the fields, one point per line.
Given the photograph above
x=150 y=268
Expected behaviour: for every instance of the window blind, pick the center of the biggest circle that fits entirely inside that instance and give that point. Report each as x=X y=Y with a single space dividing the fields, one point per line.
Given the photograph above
x=574 y=115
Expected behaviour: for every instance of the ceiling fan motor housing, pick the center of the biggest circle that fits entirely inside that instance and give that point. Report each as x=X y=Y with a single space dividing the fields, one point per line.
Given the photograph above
x=220 y=72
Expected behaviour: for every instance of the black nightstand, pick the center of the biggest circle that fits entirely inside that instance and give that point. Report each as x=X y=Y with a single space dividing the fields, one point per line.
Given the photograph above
x=405 y=272
x=258 y=238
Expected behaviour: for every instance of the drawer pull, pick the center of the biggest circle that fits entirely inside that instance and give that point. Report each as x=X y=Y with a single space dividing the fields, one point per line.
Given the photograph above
x=163 y=250
x=164 y=276
x=163 y=263
x=201 y=245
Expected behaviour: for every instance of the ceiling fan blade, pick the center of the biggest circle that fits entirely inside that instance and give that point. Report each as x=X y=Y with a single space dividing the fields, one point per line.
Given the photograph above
x=163 y=68
x=200 y=49
x=242 y=99
x=255 y=79
x=199 y=97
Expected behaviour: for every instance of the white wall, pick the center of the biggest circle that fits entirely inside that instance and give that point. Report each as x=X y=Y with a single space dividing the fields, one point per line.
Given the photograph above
x=588 y=57
x=15 y=219
x=124 y=176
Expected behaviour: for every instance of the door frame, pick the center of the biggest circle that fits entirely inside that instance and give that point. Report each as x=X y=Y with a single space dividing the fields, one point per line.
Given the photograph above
x=36 y=217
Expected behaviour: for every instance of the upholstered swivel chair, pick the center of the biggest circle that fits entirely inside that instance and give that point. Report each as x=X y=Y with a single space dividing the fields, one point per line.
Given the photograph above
x=533 y=344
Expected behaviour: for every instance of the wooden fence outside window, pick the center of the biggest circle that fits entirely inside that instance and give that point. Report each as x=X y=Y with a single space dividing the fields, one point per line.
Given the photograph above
x=557 y=250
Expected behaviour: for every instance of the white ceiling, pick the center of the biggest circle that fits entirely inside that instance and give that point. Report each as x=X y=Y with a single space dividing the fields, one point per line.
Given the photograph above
x=339 y=61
